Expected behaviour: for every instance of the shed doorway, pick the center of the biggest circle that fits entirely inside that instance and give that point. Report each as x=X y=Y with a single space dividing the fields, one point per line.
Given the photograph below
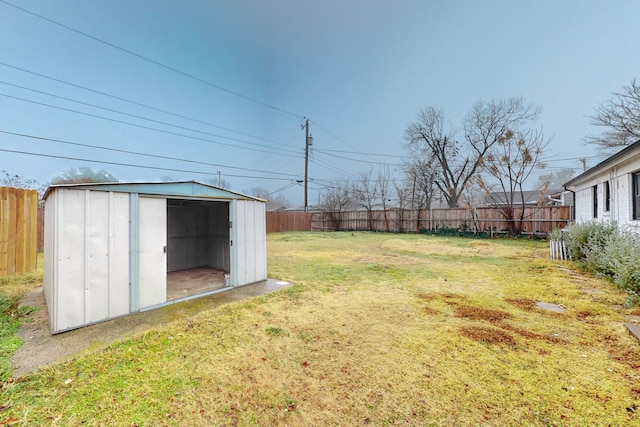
x=198 y=247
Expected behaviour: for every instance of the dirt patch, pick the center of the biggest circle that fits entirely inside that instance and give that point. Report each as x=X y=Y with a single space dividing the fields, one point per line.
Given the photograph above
x=487 y=335
x=41 y=349
x=532 y=335
x=478 y=313
x=523 y=303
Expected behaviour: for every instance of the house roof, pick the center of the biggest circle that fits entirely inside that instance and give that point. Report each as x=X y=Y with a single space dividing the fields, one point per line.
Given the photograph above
x=623 y=154
x=530 y=197
x=179 y=189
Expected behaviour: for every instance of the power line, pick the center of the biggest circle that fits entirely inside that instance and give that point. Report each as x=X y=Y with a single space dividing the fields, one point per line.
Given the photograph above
x=138 y=103
x=152 y=61
x=329 y=133
x=97 y=147
x=332 y=168
x=210 y=141
x=139 y=117
x=359 y=160
x=357 y=152
x=28 y=153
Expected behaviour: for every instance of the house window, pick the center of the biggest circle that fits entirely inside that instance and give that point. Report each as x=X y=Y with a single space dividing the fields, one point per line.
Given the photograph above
x=635 y=183
x=607 y=196
x=595 y=200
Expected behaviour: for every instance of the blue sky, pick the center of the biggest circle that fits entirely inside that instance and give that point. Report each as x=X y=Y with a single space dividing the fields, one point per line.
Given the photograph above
x=227 y=83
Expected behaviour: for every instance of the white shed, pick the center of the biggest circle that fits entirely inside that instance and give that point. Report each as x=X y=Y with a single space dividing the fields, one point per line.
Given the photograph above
x=111 y=249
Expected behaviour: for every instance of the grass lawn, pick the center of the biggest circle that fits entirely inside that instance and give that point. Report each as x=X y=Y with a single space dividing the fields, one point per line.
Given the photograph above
x=378 y=329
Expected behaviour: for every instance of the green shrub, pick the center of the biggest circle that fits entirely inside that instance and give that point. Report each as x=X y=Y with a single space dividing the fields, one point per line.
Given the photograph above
x=587 y=237
x=623 y=257
x=556 y=234
x=608 y=251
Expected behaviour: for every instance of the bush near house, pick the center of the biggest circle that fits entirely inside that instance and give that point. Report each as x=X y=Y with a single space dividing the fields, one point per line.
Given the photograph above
x=608 y=251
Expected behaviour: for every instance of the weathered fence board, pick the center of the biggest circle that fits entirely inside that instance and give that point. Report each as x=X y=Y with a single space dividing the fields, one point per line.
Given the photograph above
x=18 y=230
x=40 y=244
x=537 y=220
x=278 y=222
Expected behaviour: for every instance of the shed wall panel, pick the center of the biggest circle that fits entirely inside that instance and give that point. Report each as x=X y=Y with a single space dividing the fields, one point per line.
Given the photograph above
x=86 y=257
x=70 y=307
x=152 y=256
x=97 y=257
x=50 y=256
x=119 y=255
x=249 y=242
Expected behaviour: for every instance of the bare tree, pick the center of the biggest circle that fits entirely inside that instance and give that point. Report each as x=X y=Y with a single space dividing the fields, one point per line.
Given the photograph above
x=17 y=181
x=83 y=175
x=403 y=196
x=220 y=182
x=510 y=161
x=554 y=180
x=458 y=160
x=365 y=192
x=274 y=202
x=420 y=173
x=384 y=191
x=427 y=136
x=334 y=201
x=620 y=116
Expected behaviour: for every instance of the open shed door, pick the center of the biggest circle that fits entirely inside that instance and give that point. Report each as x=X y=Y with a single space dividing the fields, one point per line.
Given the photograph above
x=153 y=252
x=249 y=242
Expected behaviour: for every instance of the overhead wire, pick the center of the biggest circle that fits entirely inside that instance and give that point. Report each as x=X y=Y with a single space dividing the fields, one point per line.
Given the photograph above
x=138 y=117
x=139 y=104
x=157 y=156
x=135 y=166
x=152 y=61
x=323 y=150
x=210 y=141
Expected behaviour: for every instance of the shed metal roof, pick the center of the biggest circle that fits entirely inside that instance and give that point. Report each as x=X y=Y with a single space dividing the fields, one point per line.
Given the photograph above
x=178 y=189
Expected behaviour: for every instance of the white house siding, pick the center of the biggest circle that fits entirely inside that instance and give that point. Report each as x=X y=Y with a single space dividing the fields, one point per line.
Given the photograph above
x=584 y=204
x=619 y=176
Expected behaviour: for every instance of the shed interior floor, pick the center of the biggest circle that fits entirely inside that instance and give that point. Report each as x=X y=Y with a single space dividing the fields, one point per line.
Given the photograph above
x=195 y=281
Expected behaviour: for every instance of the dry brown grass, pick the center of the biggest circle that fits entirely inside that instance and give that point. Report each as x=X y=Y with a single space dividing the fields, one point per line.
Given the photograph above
x=391 y=330
x=480 y=313
x=487 y=335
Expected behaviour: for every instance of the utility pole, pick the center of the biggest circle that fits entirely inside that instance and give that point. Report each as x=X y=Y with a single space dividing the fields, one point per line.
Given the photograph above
x=584 y=164
x=308 y=140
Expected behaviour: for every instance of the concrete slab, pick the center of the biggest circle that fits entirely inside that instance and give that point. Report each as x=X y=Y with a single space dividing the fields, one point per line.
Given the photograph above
x=42 y=349
x=550 y=307
x=634 y=330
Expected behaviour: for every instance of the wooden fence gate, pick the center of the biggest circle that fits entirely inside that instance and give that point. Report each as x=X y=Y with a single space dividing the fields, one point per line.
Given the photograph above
x=18 y=230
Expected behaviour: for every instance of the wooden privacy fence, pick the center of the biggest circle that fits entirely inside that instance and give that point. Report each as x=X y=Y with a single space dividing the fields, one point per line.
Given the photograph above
x=288 y=221
x=18 y=230
x=537 y=220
